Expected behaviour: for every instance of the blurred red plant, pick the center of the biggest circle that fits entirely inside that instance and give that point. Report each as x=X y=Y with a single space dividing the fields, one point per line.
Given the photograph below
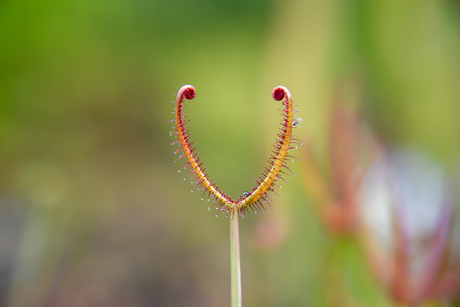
x=413 y=254
x=337 y=195
x=351 y=150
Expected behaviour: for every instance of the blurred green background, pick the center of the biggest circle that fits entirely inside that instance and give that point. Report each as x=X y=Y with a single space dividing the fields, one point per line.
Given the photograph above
x=93 y=211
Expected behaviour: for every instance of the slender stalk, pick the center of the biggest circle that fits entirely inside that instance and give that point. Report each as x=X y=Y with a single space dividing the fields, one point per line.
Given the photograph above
x=235 y=262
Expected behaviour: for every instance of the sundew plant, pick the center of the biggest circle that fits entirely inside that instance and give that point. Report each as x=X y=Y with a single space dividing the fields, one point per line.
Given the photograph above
x=254 y=199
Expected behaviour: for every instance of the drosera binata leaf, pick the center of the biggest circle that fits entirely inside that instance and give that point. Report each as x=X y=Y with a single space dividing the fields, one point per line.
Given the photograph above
x=266 y=182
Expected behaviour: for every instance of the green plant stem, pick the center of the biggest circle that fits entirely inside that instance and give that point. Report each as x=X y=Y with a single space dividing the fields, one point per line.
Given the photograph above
x=235 y=261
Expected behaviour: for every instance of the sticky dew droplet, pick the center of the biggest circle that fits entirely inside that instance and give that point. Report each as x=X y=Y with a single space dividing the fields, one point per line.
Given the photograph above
x=209 y=208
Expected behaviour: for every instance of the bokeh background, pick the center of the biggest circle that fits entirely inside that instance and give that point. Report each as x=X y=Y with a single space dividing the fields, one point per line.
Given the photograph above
x=93 y=210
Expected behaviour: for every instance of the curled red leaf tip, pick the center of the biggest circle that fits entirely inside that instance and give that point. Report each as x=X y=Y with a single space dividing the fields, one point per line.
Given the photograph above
x=279 y=92
x=186 y=91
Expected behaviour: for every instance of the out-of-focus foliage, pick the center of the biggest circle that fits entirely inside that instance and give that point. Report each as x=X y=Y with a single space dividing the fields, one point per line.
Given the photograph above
x=92 y=208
